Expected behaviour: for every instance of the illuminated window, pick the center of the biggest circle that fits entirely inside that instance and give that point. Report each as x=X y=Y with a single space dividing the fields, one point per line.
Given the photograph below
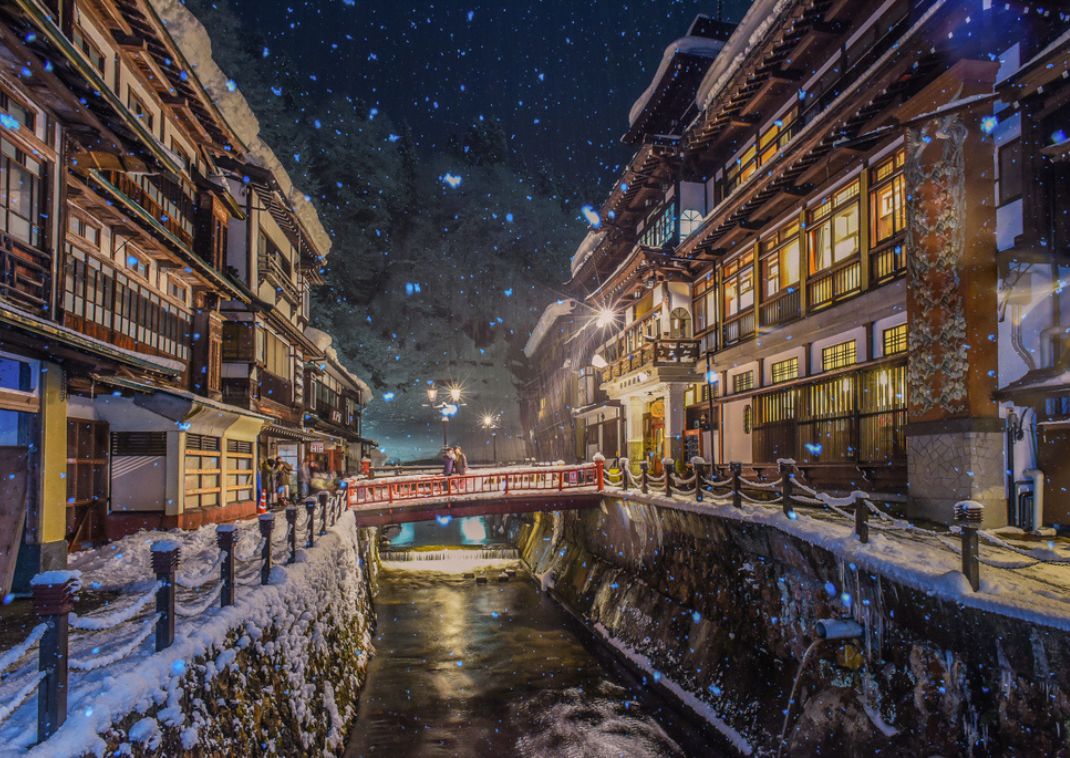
x=895 y=339
x=780 y=261
x=838 y=356
x=20 y=194
x=739 y=285
x=834 y=229
x=888 y=214
x=785 y=371
x=690 y=220
x=743 y=382
x=659 y=229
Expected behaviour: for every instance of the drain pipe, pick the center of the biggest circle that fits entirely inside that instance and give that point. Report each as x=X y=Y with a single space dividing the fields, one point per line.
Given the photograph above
x=826 y=630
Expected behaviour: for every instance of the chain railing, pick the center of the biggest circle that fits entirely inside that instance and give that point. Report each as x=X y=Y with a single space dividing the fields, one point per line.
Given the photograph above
x=68 y=641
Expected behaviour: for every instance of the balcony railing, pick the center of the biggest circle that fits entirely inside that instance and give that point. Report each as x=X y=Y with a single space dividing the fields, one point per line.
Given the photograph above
x=836 y=283
x=738 y=328
x=887 y=263
x=652 y=354
x=781 y=307
x=133 y=190
x=25 y=274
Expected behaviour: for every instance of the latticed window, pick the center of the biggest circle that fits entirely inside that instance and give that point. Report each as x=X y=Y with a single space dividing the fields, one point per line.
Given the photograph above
x=743 y=382
x=780 y=260
x=202 y=471
x=690 y=220
x=739 y=284
x=660 y=229
x=838 y=356
x=888 y=214
x=785 y=371
x=239 y=471
x=834 y=228
x=894 y=339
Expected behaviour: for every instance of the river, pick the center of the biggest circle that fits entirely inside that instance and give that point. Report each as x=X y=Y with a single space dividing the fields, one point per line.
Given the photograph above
x=495 y=668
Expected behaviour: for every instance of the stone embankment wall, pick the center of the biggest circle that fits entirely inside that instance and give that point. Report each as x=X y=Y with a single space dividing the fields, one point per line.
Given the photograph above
x=279 y=673
x=720 y=613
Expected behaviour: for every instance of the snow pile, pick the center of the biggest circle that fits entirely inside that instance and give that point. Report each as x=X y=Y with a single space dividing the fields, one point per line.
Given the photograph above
x=586 y=249
x=265 y=670
x=550 y=315
x=703 y=47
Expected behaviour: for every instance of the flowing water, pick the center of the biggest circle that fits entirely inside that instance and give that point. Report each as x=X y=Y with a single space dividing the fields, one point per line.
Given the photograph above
x=493 y=667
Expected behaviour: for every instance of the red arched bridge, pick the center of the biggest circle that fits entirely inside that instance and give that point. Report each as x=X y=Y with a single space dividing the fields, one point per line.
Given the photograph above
x=517 y=489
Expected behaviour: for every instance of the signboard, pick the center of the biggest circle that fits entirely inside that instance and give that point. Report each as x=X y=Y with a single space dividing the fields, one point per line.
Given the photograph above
x=315 y=447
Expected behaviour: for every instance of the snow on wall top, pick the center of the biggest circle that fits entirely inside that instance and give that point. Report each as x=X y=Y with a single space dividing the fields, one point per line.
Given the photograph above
x=583 y=252
x=700 y=46
x=323 y=341
x=193 y=41
x=761 y=18
x=550 y=314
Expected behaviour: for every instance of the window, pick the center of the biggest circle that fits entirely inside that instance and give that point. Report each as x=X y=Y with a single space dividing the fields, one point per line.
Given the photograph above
x=894 y=339
x=202 y=471
x=704 y=303
x=833 y=226
x=838 y=356
x=20 y=194
x=91 y=51
x=765 y=148
x=87 y=231
x=690 y=221
x=238 y=340
x=87 y=462
x=743 y=382
x=1010 y=171
x=16 y=375
x=138 y=108
x=239 y=471
x=275 y=354
x=739 y=285
x=25 y=116
x=785 y=371
x=137 y=264
x=780 y=264
x=888 y=213
x=177 y=290
x=660 y=228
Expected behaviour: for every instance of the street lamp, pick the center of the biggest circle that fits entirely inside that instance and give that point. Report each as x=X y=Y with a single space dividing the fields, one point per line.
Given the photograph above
x=490 y=423
x=455 y=393
x=711 y=380
x=432 y=394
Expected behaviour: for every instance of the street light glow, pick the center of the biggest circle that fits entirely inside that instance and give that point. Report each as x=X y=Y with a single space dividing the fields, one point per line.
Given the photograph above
x=605 y=317
x=488 y=421
x=455 y=394
x=432 y=394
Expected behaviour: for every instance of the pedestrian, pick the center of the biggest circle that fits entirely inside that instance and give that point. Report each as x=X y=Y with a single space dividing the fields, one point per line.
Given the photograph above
x=447 y=461
x=267 y=480
x=283 y=470
x=461 y=465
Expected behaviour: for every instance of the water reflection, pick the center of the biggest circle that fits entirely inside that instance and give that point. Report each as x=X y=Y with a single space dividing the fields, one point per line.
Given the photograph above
x=444 y=530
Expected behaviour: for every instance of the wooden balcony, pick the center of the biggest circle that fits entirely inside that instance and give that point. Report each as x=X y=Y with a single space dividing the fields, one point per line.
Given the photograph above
x=129 y=187
x=887 y=263
x=782 y=307
x=834 y=284
x=738 y=328
x=653 y=354
x=25 y=275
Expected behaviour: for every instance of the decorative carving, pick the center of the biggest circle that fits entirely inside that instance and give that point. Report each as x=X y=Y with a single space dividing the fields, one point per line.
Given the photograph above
x=936 y=213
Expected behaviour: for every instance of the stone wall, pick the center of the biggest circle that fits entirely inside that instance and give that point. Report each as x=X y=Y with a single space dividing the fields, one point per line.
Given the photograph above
x=719 y=613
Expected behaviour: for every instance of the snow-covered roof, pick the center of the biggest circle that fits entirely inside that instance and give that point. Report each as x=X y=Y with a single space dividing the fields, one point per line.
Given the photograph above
x=550 y=314
x=583 y=252
x=324 y=343
x=195 y=44
x=698 y=46
x=762 y=17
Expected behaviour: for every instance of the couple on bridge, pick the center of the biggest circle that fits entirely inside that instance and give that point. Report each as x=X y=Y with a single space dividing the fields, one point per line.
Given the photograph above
x=454 y=461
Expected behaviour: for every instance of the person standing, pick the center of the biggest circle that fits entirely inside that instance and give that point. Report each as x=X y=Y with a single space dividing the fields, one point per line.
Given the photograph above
x=461 y=466
x=447 y=461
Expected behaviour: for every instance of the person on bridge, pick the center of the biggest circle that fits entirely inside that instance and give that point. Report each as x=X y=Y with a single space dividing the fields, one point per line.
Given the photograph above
x=447 y=461
x=460 y=465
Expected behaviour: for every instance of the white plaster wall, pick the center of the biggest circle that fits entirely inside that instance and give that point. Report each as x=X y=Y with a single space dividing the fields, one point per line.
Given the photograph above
x=737 y=443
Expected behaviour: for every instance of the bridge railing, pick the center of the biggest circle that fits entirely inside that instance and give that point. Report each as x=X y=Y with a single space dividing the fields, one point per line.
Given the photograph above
x=498 y=482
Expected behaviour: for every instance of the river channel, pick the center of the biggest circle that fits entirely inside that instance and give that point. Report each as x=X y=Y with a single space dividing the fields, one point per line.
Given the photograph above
x=472 y=659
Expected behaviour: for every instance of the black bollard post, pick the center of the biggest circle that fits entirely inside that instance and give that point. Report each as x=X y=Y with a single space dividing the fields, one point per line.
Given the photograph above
x=737 y=471
x=625 y=471
x=53 y=600
x=644 y=466
x=164 y=564
x=291 y=534
x=787 y=487
x=323 y=495
x=668 y=465
x=267 y=526
x=861 y=519
x=700 y=471
x=969 y=514
x=310 y=508
x=225 y=535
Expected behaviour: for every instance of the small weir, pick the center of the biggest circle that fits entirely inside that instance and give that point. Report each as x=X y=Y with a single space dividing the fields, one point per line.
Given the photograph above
x=462 y=554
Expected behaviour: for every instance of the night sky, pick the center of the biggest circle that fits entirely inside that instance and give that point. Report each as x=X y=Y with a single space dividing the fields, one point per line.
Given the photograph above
x=560 y=76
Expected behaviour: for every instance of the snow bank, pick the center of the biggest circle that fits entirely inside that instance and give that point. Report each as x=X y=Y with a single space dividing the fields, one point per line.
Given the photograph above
x=698 y=46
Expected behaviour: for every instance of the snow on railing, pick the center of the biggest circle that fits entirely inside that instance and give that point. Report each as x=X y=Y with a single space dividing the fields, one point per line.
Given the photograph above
x=67 y=641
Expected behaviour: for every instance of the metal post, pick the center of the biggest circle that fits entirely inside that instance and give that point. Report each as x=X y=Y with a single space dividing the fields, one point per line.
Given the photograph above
x=969 y=514
x=625 y=470
x=291 y=536
x=310 y=508
x=323 y=495
x=445 y=425
x=267 y=526
x=600 y=472
x=737 y=471
x=644 y=466
x=787 y=487
x=52 y=602
x=861 y=519
x=224 y=537
x=667 y=466
x=494 y=444
x=164 y=564
x=700 y=471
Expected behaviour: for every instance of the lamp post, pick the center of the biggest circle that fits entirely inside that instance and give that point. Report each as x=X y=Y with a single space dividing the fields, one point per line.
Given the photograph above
x=711 y=379
x=446 y=408
x=490 y=423
x=445 y=426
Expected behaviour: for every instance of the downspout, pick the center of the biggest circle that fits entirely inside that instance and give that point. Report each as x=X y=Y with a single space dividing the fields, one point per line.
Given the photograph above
x=1038 y=497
